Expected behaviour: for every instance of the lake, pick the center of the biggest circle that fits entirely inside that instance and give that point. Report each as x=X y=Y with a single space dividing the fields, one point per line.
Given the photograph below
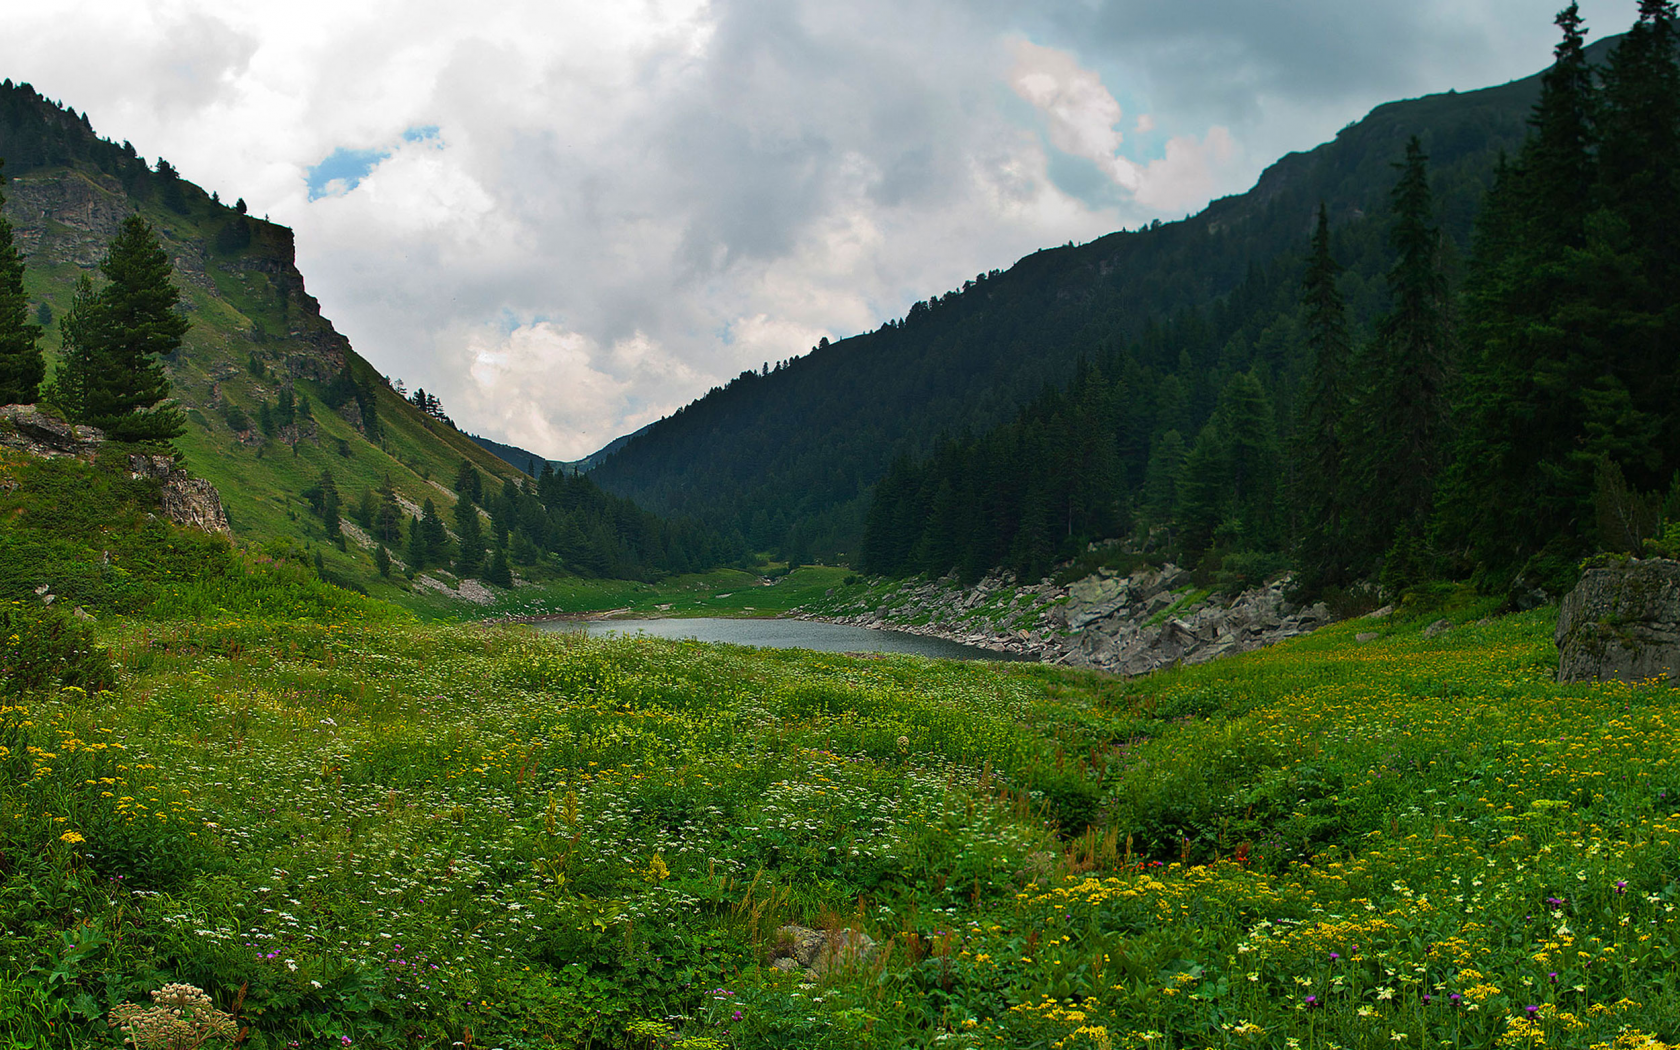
x=784 y=634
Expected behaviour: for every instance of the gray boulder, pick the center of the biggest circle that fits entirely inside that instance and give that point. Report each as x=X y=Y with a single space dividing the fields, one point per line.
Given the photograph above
x=1621 y=622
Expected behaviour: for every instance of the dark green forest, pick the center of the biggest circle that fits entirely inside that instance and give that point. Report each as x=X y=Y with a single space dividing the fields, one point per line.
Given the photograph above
x=790 y=454
x=1497 y=418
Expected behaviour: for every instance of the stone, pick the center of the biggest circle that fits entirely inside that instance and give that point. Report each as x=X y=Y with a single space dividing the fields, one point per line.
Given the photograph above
x=1438 y=627
x=820 y=951
x=28 y=429
x=1365 y=636
x=185 y=500
x=1622 y=623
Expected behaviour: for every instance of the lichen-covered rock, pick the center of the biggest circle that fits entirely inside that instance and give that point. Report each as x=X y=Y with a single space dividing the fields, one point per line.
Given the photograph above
x=28 y=429
x=819 y=951
x=186 y=500
x=1621 y=622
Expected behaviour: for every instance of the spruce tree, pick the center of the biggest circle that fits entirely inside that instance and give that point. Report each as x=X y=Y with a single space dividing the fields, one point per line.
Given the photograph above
x=134 y=326
x=21 y=364
x=1321 y=491
x=69 y=384
x=382 y=561
x=1639 y=185
x=499 y=573
x=1405 y=411
x=469 y=536
x=433 y=535
x=416 y=552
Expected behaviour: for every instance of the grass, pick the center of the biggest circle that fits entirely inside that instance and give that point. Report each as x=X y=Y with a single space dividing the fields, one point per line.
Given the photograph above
x=721 y=592
x=397 y=834
x=359 y=828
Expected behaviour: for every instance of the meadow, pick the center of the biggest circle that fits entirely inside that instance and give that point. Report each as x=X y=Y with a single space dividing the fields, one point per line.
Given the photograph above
x=353 y=827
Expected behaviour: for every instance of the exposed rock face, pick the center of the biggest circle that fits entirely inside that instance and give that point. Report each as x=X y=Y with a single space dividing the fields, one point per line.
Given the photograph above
x=1622 y=622
x=27 y=429
x=186 y=500
x=1124 y=624
x=817 y=951
x=1121 y=628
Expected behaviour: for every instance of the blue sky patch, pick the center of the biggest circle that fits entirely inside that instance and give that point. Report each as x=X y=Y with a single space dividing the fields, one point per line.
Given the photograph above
x=342 y=171
x=421 y=133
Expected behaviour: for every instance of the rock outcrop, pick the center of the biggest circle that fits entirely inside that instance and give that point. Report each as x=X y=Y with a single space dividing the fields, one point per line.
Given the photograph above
x=186 y=500
x=28 y=429
x=1132 y=624
x=1136 y=624
x=818 y=951
x=1621 y=622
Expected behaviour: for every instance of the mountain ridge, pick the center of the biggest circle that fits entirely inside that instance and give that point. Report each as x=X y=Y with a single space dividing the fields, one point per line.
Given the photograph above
x=790 y=457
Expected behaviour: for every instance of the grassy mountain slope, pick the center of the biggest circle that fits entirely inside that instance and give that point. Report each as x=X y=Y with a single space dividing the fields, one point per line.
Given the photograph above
x=255 y=333
x=789 y=457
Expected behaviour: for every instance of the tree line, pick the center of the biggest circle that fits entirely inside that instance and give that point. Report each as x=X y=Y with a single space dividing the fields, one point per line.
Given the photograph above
x=1496 y=427
x=562 y=520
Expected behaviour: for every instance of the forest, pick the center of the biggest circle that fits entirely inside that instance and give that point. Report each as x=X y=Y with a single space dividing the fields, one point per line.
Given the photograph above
x=1497 y=420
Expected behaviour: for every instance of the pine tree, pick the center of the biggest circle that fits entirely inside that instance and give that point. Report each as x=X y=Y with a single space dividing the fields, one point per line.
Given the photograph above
x=416 y=553
x=469 y=536
x=134 y=326
x=499 y=573
x=382 y=561
x=1405 y=412
x=69 y=385
x=21 y=364
x=1320 y=449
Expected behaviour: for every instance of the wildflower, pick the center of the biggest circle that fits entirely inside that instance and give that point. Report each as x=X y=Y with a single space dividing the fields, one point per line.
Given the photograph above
x=72 y=837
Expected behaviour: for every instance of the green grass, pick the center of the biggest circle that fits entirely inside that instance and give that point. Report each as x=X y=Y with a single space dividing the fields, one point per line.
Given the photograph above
x=398 y=833
x=366 y=829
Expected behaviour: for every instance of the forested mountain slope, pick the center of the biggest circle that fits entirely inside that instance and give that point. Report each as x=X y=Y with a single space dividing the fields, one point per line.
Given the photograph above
x=789 y=457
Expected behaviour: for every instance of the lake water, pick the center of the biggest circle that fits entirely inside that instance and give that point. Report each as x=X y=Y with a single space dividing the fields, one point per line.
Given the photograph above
x=784 y=634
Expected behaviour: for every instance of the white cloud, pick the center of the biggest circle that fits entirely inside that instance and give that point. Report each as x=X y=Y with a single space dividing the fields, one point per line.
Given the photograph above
x=626 y=203
x=1082 y=116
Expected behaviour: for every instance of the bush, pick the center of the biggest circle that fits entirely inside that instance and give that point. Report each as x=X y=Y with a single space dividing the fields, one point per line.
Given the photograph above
x=39 y=650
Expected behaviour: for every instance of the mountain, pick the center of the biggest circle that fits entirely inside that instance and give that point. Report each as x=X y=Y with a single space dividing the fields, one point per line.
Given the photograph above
x=790 y=457
x=275 y=398
x=520 y=459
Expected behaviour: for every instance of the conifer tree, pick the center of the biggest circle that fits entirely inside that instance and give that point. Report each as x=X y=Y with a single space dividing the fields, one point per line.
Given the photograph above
x=433 y=535
x=416 y=552
x=21 y=364
x=382 y=561
x=1405 y=412
x=470 y=537
x=1321 y=434
x=499 y=573
x=134 y=325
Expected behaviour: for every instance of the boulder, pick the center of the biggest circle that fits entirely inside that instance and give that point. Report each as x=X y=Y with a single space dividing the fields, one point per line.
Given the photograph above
x=819 y=951
x=28 y=429
x=1621 y=622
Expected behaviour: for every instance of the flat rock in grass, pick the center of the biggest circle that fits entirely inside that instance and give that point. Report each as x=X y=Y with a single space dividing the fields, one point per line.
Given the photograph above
x=820 y=951
x=1438 y=627
x=1622 y=623
x=1365 y=636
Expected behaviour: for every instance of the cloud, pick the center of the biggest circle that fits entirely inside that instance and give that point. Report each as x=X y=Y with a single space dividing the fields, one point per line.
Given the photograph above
x=566 y=217
x=1082 y=116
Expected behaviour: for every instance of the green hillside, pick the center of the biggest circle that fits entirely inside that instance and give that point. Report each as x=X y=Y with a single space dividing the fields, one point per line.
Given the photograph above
x=273 y=396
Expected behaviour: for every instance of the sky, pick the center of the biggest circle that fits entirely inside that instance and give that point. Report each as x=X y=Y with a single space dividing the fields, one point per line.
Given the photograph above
x=568 y=219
